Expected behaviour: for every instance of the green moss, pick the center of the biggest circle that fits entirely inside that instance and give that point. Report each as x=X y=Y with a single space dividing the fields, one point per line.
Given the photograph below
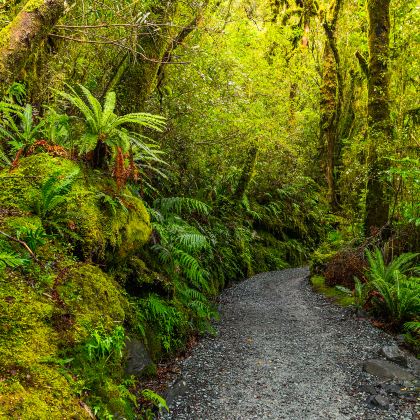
x=29 y=389
x=33 y=5
x=14 y=223
x=19 y=187
x=94 y=299
x=14 y=189
x=50 y=309
x=123 y=231
x=150 y=371
x=339 y=297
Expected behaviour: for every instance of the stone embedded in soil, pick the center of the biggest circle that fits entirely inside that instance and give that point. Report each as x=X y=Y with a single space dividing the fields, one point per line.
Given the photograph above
x=369 y=389
x=138 y=359
x=379 y=401
x=393 y=389
x=387 y=370
x=177 y=389
x=394 y=354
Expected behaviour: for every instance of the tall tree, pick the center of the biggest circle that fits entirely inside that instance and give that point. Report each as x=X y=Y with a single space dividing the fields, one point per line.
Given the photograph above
x=26 y=31
x=379 y=120
x=331 y=100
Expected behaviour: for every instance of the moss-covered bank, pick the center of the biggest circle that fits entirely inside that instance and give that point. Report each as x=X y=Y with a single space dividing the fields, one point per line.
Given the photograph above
x=52 y=308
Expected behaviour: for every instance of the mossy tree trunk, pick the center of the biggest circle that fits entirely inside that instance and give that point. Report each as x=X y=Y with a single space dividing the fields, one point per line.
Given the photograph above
x=24 y=34
x=331 y=102
x=141 y=77
x=247 y=174
x=379 y=121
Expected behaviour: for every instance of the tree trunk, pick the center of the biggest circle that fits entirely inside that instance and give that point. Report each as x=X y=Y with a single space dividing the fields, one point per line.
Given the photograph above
x=379 y=121
x=331 y=103
x=247 y=174
x=140 y=80
x=26 y=31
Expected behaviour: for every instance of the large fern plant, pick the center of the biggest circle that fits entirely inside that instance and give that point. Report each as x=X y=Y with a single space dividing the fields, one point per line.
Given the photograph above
x=396 y=285
x=181 y=244
x=18 y=130
x=109 y=136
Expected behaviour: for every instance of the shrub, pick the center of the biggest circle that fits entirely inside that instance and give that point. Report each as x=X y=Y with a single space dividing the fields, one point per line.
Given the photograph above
x=344 y=267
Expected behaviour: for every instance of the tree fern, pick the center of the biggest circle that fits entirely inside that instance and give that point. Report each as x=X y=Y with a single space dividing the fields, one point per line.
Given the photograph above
x=108 y=135
x=399 y=293
x=103 y=124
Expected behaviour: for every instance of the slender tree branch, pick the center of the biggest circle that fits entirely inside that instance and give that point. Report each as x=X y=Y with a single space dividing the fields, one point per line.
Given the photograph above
x=23 y=243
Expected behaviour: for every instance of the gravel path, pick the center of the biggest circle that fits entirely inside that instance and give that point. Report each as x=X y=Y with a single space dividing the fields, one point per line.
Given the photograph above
x=283 y=352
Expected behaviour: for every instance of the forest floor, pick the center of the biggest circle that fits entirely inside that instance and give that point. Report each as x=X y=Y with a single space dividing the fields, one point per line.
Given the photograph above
x=284 y=352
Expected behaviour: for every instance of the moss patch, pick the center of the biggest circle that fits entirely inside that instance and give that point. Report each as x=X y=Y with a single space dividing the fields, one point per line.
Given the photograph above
x=337 y=296
x=28 y=388
x=94 y=298
x=49 y=309
x=118 y=226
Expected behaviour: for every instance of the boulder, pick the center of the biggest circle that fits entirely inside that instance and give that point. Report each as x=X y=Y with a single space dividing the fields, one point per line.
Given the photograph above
x=379 y=401
x=394 y=354
x=174 y=391
x=138 y=359
x=387 y=370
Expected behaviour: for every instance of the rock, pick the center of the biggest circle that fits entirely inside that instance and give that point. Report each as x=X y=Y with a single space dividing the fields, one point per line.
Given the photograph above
x=369 y=389
x=173 y=392
x=400 y=339
x=394 y=354
x=393 y=389
x=138 y=359
x=361 y=313
x=415 y=363
x=387 y=370
x=379 y=401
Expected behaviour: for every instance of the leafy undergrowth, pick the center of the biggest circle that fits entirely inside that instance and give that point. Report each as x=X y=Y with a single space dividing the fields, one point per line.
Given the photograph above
x=383 y=281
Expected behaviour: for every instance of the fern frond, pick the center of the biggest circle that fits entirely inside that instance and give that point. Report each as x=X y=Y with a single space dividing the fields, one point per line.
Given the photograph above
x=94 y=104
x=109 y=108
x=12 y=260
x=75 y=99
x=192 y=242
x=154 y=122
x=179 y=205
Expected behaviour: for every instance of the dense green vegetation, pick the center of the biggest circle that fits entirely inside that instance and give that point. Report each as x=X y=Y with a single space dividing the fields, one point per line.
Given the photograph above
x=152 y=153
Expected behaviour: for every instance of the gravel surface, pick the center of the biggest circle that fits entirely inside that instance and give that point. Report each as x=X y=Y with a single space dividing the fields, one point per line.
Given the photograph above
x=285 y=352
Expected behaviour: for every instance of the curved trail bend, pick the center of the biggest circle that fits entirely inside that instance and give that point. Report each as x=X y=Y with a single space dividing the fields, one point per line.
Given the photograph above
x=282 y=352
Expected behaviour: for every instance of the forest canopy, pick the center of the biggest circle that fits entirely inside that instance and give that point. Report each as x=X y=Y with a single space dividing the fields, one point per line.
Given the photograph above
x=153 y=152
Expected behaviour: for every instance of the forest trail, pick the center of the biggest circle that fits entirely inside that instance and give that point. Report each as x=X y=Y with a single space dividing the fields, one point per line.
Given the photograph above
x=284 y=352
